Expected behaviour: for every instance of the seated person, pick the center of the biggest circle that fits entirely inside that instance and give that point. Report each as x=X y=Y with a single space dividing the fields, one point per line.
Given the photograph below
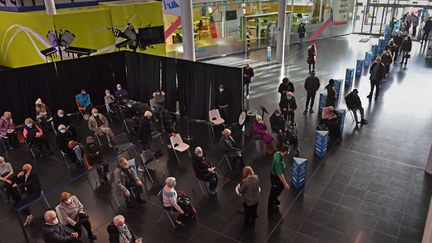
x=120 y=232
x=331 y=120
x=277 y=122
x=126 y=180
x=110 y=102
x=259 y=128
x=353 y=103
x=289 y=138
x=169 y=200
x=69 y=145
x=121 y=94
x=204 y=170
x=62 y=118
x=84 y=100
x=54 y=232
x=72 y=215
x=34 y=135
x=28 y=184
x=288 y=105
x=231 y=149
x=100 y=126
x=6 y=173
x=131 y=115
x=144 y=129
x=43 y=114
x=7 y=130
x=94 y=159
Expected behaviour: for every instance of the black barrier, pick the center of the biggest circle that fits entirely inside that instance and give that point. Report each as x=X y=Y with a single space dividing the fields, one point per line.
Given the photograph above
x=192 y=84
x=43 y=196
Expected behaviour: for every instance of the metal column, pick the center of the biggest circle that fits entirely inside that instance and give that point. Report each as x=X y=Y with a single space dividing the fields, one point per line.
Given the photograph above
x=280 y=45
x=50 y=7
x=187 y=28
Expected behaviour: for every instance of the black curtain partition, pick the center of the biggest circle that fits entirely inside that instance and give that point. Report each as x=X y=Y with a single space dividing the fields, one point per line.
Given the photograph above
x=189 y=83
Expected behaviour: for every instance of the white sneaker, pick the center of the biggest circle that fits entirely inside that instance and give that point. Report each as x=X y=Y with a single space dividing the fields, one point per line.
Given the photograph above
x=28 y=220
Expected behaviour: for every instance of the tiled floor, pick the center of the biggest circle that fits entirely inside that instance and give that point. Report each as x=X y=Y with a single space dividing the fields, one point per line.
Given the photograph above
x=370 y=188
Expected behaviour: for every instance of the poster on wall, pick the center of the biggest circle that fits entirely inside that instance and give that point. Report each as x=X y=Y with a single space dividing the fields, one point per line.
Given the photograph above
x=171 y=7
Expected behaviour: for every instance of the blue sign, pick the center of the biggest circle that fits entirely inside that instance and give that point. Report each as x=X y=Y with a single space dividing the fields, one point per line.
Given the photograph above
x=368 y=59
x=321 y=141
x=349 y=76
x=171 y=7
x=299 y=172
x=337 y=86
x=359 y=67
x=322 y=101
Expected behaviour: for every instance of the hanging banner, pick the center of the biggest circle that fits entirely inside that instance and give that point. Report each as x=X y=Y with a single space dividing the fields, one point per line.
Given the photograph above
x=171 y=7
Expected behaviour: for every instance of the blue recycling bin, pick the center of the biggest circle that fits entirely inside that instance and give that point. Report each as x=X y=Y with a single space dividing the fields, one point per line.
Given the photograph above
x=374 y=52
x=381 y=46
x=322 y=101
x=341 y=114
x=338 y=86
x=321 y=142
x=368 y=59
x=359 y=67
x=299 y=172
x=349 y=76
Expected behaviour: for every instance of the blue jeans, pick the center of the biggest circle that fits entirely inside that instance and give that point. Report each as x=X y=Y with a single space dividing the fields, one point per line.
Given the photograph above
x=246 y=86
x=213 y=179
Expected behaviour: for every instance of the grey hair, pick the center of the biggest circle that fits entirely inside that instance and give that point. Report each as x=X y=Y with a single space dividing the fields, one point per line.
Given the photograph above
x=170 y=181
x=48 y=213
x=118 y=217
x=198 y=150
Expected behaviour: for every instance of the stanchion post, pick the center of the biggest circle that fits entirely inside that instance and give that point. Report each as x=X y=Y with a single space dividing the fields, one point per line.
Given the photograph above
x=22 y=226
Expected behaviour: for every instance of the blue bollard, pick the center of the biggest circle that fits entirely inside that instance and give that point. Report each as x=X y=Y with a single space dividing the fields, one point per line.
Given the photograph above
x=359 y=67
x=349 y=76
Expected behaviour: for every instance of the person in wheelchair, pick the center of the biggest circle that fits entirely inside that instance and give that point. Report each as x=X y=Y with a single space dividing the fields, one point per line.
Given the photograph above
x=330 y=121
x=126 y=180
x=69 y=145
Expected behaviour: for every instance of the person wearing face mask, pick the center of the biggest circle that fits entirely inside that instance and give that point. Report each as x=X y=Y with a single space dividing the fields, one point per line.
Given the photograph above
x=277 y=122
x=144 y=130
x=131 y=115
x=43 y=113
x=100 y=126
x=55 y=232
x=223 y=100
x=111 y=103
x=377 y=73
x=62 y=118
x=288 y=105
x=126 y=181
x=29 y=185
x=121 y=94
x=69 y=145
x=169 y=200
x=259 y=128
x=120 y=232
x=231 y=149
x=93 y=156
x=285 y=86
x=72 y=214
x=84 y=100
x=159 y=97
x=204 y=170
x=7 y=130
x=34 y=135
x=277 y=178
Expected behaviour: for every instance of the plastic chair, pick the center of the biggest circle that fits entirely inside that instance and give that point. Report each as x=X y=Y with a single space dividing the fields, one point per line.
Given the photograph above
x=178 y=145
x=150 y=163
x=215 y=119
x=80 y=108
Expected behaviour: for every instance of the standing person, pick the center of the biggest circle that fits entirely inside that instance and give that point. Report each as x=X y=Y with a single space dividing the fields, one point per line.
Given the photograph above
x=144 y=129
x=204 y=170
x=286 y=86
x=406 y=49
x=311 y=86
x=250 y=193
x=28 y=183
x=426 y=30
x=301 y=33
x=159 y=98
x=311 y=60
x=377 y=73
x=331 y=93
x=7 y=130
x=73 y=215
x=387 y=59
x=398 y=39
x=277 y=178
x=223 y=100
x=248 y=73
x=415 y=23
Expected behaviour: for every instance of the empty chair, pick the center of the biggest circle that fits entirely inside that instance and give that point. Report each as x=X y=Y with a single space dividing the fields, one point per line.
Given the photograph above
x=215 y=119
x=178 y=145
x=123 y=144
x=150 y=163
x=80 y=108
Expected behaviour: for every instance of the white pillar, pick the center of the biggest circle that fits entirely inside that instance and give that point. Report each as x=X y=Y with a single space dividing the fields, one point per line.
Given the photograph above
x=280 y=45
x=50 y=7
x=187 y=28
